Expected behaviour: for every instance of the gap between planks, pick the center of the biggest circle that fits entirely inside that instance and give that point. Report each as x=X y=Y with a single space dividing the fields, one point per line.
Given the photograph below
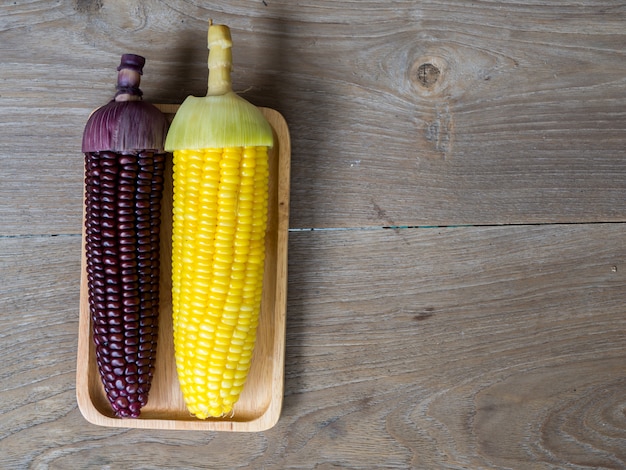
x=452 y=226
x=367 y=228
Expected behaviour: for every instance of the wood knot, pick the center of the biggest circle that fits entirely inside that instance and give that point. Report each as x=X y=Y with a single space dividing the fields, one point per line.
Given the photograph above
x=87 y=6
x=428 y=74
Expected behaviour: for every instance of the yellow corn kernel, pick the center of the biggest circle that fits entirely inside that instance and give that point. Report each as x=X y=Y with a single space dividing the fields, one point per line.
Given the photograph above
x=218 y=250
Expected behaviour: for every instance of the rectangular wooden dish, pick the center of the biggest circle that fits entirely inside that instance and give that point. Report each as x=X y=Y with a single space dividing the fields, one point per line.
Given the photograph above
x=261 y=400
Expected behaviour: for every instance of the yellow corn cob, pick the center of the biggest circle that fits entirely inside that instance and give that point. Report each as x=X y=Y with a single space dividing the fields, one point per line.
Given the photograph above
x=220 y=216
x=220 y=145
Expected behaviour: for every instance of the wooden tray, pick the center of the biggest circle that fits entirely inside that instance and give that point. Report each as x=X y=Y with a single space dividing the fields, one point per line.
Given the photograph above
x=260 y=403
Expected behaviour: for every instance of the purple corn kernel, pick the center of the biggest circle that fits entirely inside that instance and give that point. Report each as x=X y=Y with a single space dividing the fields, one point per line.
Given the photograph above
x=119 y=232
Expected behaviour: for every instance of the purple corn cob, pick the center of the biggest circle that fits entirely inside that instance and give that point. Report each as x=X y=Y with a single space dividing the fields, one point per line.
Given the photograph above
x=124 y=165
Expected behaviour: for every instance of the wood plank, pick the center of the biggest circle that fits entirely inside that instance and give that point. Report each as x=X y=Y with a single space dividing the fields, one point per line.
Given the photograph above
x=39 y=322
x=524 y=124
x=493 y=347
x=460 y=348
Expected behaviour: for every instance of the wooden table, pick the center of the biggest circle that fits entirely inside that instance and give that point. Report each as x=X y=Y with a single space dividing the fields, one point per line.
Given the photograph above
x=457 y=253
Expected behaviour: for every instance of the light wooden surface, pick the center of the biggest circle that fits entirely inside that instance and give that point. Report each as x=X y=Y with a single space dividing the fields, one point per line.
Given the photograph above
x=260 y=403
x=496 y=338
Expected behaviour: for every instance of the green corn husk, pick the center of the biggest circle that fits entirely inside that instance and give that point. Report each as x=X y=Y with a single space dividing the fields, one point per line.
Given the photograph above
x=222 y=118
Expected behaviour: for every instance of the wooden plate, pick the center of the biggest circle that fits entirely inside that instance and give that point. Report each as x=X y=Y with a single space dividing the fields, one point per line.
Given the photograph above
x=260 y=403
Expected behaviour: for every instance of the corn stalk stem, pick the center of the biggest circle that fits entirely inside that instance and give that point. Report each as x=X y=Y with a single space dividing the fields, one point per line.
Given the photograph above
x=220 y=60
x=128 y=85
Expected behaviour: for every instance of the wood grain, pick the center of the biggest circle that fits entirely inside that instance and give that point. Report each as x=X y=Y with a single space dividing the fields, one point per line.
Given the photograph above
x=471 y=347
x=525 y=123
x=497 y=347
